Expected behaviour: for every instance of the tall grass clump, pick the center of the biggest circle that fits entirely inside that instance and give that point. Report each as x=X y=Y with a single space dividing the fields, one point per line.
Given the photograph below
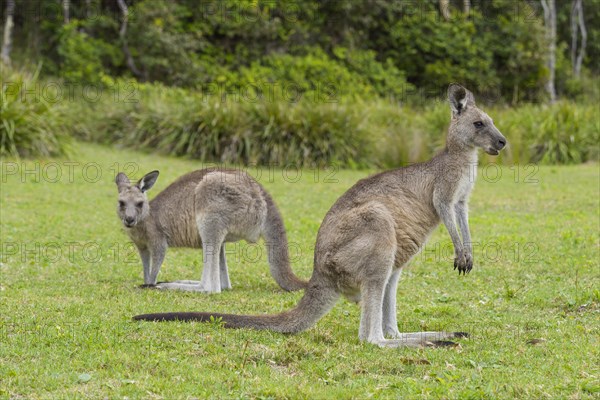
x=350 y=132
x=182 y=123
x=403 y=135
x=561 y=133
x=29 y=124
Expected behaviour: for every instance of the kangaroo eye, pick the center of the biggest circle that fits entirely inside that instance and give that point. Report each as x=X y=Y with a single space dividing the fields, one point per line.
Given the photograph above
x=478 y=124
x=140 y=204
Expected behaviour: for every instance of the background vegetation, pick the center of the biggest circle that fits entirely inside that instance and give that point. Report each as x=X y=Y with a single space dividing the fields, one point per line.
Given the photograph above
x=358 y=83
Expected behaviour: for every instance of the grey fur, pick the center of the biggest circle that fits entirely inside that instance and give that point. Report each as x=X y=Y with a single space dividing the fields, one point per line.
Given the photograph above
x=204 y=208
x=377 y=226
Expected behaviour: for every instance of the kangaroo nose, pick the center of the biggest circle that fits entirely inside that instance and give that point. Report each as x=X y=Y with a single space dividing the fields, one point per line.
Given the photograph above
x=129 y=220
x=501 y=143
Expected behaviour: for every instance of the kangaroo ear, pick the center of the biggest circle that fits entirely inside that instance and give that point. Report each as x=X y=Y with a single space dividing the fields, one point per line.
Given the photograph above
x=460 y=98
x=122 y=181
x=147 y=181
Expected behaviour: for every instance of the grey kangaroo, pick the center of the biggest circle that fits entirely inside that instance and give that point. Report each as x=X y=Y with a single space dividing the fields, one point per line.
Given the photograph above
x=374 y=230
x=204 y=208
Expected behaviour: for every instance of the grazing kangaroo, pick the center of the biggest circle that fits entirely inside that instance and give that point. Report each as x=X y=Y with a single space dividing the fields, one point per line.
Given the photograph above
x=374 y=230
x=204 y=208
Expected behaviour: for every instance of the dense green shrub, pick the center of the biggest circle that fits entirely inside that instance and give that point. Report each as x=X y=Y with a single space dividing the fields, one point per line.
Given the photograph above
x=312 y=75
x=29 y=125
x=163 y=48
x=349 y=74
x=385 y=78
x=420 y=48
x=84 y=59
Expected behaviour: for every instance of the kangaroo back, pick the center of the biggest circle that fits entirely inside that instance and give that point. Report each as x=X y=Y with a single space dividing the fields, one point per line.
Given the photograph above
x=173 y=210
x=237 y=200
x=277 y=247
x=317 y=301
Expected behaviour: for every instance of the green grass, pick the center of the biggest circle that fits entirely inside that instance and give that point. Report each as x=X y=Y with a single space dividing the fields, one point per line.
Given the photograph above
x=68 y=288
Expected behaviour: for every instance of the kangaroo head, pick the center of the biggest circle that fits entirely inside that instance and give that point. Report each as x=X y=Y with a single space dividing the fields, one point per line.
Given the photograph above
x=470 y=127
x=133 y=203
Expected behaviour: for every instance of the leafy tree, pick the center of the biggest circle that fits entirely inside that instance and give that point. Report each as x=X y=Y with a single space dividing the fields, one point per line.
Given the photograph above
x=379 y=47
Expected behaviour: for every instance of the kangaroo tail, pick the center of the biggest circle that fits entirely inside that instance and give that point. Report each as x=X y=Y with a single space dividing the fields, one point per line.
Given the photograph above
x=277 y=246
x=317 y=301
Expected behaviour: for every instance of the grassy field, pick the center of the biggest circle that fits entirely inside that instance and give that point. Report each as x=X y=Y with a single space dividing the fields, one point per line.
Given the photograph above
x=68 y=289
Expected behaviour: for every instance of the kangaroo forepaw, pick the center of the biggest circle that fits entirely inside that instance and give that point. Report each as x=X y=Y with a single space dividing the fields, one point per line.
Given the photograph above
x=464 y=262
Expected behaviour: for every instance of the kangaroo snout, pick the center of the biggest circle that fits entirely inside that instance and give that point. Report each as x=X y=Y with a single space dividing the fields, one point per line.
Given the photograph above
x=501 y=143
x=129 y=221
x=498 y=142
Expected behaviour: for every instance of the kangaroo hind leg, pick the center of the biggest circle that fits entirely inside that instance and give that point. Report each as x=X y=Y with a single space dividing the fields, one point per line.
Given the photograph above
x=390 y=322
x=370 y=317
x=212 y=233
x=225 y=283
x=197 y=286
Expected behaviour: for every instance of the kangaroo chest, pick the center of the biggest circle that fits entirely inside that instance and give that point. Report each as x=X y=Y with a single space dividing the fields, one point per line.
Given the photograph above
x=464 y=187
x=464 y=178
x=138 y=237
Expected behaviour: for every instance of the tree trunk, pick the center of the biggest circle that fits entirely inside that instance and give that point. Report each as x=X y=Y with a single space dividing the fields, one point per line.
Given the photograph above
x=8 y=28
x=88 y=9
x=88 y=15
x=577 y=25
x=445 y=9
x=466 y=7
x=123 y=35
x=574 y=32
x=549 y=7
x=65 y=5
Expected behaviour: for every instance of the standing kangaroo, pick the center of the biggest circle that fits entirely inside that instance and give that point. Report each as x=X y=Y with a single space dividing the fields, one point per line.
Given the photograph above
x=374 y=230
x=204 y=208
